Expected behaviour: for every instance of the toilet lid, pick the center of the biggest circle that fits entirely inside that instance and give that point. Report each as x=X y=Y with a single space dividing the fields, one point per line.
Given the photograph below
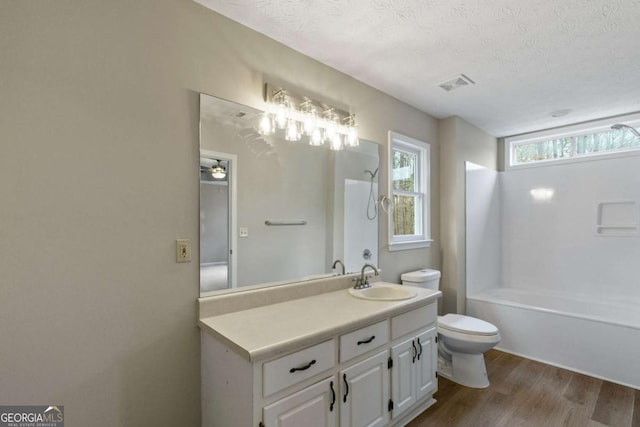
x=466 y=325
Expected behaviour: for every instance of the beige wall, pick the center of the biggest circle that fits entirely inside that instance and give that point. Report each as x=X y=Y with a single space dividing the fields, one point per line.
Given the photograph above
x=95 y=313
x=460 y=141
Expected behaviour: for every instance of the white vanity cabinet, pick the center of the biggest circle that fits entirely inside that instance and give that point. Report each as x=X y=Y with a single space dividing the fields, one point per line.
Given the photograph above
x=313 y=406
x=414 y=355
x=363 y=376
x=413 y=374
x=364 y=393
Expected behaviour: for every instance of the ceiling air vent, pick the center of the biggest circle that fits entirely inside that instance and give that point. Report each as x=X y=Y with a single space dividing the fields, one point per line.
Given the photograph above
x=456 y=82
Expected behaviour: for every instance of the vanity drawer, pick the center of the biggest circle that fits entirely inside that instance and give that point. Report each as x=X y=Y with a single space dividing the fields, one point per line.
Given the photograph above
x=364 y=339
x=412 y=320
x=288 y=370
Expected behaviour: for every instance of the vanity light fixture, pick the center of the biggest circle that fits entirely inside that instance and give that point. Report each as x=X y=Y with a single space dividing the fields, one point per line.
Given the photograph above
x=299 y=115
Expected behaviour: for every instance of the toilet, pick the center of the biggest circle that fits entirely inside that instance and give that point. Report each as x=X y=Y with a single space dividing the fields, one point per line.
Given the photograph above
x=462 y=340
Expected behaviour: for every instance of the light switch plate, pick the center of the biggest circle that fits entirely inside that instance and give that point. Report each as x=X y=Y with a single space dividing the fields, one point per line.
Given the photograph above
x=183 y=250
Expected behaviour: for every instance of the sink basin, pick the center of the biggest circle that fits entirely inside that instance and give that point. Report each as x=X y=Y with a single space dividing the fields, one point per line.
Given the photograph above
x=384 y=292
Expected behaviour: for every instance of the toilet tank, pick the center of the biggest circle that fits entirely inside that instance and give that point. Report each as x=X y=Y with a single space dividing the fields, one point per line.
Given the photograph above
x=425 y=278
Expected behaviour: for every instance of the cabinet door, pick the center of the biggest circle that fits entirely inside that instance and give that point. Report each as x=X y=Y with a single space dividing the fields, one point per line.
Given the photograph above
x=364 y=393
x=426 y=363
x=403 y=377
x=314 y=406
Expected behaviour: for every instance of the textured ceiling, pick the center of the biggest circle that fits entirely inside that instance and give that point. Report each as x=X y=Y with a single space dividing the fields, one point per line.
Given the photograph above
x=527 y=58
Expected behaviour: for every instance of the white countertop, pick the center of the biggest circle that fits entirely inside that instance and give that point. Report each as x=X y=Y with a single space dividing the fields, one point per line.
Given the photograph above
x=267 y=331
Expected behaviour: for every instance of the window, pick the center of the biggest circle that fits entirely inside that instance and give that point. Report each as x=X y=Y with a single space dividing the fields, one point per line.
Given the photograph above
x=409 y=193
x=575 y=143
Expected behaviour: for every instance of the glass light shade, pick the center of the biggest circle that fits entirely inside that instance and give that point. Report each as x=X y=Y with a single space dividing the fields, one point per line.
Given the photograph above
x=281 y=115
x=309 y=124
x=336 y=143
x=218 y=172
x=352 y=137
x=331 y=130
x=292 y=133
x=316 y=137
x=266 y=125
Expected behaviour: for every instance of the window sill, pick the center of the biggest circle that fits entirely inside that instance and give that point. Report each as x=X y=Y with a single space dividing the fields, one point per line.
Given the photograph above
x=415 y=244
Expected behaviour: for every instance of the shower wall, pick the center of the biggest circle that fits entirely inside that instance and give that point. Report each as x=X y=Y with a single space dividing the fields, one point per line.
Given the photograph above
x=569 y=227
x=360 y=232
x=550 y=234
x=483 y=225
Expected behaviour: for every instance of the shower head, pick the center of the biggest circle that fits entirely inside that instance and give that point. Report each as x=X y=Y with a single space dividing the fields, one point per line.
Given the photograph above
x=619 y=126
x=373 y=174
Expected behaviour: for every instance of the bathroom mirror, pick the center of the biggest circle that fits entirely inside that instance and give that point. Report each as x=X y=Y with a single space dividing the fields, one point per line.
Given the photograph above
x=274 y=211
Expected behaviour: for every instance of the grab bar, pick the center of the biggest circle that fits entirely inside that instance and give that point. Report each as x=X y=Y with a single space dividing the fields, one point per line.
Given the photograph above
x=301 y=222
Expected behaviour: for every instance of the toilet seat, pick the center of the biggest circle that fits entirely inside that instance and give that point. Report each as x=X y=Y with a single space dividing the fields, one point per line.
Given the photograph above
x=465 y=325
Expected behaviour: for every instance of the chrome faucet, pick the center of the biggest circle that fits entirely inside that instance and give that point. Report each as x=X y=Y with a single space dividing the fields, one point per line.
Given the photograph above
x=336 y=262
x=362 y=282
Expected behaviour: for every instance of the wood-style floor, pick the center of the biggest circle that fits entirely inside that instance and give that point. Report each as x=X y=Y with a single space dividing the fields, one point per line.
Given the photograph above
x=528 y=393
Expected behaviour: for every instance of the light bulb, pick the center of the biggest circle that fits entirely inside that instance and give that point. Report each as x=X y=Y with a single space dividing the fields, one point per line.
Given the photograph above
x=352 y=137
x=266 y=125
x=292 y=133
x=316 y=137
x=309 y=124
x=281 y=115
x=331 y=131
x=336 y=143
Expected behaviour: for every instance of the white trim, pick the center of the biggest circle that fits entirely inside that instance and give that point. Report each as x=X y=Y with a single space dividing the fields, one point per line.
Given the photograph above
x=233 y=210
x=423 y=151
x=414 y=244
x=569 y=131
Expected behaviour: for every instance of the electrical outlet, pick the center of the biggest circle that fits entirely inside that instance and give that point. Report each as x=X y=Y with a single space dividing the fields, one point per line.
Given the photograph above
x=183 y=250
x=244 y=232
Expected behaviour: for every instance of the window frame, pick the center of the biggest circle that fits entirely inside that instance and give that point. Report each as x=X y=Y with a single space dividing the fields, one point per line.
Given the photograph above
x=422 y=238
x=571 y=131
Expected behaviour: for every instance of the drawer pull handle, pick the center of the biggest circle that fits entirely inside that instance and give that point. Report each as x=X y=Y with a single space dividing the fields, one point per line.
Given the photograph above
x=420 y=345
x=346 y=386
x=333 y=397
x=367 y=341
x=415 y=351
x=303 y=368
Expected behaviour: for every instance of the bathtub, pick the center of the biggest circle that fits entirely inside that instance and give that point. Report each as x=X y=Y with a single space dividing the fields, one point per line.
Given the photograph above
x=599 y=337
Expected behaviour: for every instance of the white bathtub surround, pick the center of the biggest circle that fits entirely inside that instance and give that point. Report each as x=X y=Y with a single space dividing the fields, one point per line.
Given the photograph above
x=560 y=244
x=595 y=336
x=483 y=224
x=567 y=243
